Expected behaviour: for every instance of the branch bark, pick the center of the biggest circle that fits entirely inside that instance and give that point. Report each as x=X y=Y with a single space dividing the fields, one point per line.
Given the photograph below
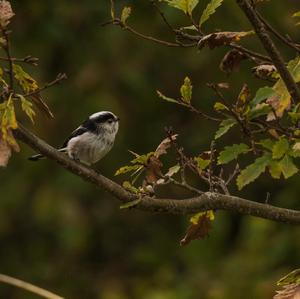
x=204 y=202
x=271 y=49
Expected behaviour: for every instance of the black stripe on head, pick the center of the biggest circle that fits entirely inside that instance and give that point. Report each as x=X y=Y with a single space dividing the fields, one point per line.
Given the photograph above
x=102 y=117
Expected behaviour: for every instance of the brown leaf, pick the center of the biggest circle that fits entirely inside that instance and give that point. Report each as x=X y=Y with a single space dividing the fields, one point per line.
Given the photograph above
x=264 y=71
x=5 y=152
x=153 y=170
x=164 y=145
x=275 y=103
x=6 y=13
x=231 y=61
x=291 y=291
x=197 y=231
x=219 y=39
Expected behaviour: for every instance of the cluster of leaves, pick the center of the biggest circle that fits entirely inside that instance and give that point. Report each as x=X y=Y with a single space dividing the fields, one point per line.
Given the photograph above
x=25 y=94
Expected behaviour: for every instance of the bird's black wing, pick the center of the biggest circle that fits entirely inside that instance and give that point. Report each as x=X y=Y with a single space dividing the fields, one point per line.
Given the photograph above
x=87 y=126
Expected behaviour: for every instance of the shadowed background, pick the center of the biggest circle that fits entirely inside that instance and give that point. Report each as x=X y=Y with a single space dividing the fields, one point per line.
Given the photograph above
x=67 y=236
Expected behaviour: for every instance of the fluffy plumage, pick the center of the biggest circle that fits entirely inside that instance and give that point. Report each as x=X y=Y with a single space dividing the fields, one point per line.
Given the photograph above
x=92 y=140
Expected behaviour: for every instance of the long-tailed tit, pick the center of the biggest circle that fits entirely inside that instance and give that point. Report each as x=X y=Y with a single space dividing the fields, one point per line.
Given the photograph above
x=91 y=141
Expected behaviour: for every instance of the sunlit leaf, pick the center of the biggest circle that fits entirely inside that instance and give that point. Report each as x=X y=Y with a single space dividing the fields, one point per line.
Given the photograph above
x=125 y=14
x=202 y=163
x=218 y=106
x=209 y=10
x=232 y=152
x=187 y=6
x=280 y=148
x=186 y=90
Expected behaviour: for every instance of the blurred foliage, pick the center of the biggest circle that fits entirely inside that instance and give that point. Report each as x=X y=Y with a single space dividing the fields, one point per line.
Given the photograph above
x=65 y=235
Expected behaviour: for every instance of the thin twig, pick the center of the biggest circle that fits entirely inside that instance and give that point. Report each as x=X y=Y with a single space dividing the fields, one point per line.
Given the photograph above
x=278 y=35
x=28 y=287
x=57 y=80
x=28 y=59
x=271 y=49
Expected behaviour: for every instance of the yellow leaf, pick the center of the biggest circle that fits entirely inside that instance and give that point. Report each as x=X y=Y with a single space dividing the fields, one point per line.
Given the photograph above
x=209 y=214
x=27 y=83
x=27 y=107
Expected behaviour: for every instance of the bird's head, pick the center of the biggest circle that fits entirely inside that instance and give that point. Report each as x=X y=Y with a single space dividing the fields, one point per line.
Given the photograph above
x=105 y=120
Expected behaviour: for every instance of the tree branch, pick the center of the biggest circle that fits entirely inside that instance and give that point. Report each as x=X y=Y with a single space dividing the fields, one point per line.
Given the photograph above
x=204 y=202
x=271 y=49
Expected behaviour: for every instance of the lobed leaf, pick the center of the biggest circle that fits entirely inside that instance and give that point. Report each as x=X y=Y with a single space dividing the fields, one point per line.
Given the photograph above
x=209 y=10
x=280 y=148
x=253 y=171
x=187 y=6
x=224 y=127
x=232 y=152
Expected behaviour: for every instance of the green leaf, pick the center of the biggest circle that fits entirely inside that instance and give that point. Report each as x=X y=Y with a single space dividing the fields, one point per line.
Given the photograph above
x=220 y=106
x=258 y=110
x=292 y=277
x=262 y=94
x=173 y=170
x=162 y=96
x=224 y=127
x=232 y=152
x=280 y=148
x=295 y=116
x=202 y=163
x=130 y=204
x=186 y=90
x=209 y=10
x=253 y=171
x=267 y=143
x=274 y=169
x=187 y=6
x=128 y=186
x=125 y=14
x=127 y=168
x=288 y=167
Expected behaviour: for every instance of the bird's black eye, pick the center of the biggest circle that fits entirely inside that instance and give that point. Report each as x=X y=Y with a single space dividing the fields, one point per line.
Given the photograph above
x=110 y=121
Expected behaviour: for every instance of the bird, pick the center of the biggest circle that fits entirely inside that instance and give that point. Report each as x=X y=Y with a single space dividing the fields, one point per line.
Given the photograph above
x=92 y=140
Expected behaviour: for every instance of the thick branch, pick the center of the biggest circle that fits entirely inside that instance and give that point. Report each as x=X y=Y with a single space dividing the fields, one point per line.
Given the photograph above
x=271 y=49
x=204 y=202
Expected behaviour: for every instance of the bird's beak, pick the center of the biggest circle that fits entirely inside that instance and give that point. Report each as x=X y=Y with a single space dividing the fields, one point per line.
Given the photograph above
x=117 y=119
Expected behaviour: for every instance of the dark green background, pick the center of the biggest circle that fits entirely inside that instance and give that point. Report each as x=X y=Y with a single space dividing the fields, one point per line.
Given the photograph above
x=67 y=236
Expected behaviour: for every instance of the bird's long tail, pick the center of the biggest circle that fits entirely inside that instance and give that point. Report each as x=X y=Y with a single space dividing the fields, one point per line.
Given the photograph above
x=38 y=157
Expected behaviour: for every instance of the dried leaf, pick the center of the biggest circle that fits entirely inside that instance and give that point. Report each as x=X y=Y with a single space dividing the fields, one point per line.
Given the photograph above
x=264 y=71
x=199 y=229
x=291 y=291
x=153 y=170
x=164 y=145
x=5 y=152
x=219 y=39
x=231 y=61
x=6 y=13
